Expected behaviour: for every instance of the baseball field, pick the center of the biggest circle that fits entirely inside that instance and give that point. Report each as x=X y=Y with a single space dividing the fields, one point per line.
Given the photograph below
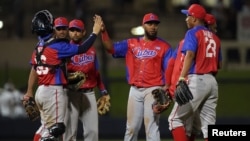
x=233 y=90
x=233 y=94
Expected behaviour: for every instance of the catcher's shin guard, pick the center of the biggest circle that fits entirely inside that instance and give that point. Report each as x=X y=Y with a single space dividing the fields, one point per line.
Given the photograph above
x=49 y=138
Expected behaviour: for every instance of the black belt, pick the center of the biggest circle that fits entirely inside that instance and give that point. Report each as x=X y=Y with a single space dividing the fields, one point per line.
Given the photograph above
x=86 y=90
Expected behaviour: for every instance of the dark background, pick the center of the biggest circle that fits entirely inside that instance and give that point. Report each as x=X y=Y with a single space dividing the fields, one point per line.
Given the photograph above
x=17 y=43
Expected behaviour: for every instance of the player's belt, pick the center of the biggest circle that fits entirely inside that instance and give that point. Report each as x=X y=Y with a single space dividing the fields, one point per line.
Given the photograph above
x=138 y=86
x=204 y=73
x=86 y=90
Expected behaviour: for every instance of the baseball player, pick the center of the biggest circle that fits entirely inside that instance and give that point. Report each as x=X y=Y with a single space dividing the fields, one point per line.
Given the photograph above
x=146 y=64
x=176 y=64
x=202 y=52
x=193 y=124
x=87 y=63
x=61 y=25
x=47 y=66
x=210 y=22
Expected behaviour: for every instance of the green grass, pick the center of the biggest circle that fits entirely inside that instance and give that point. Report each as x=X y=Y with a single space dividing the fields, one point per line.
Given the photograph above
x=234 y=74
x=233 y=100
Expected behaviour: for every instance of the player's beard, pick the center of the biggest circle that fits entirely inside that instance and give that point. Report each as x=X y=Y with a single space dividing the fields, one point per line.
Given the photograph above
x=76 y=40
x=151 y=36
x=62 y=36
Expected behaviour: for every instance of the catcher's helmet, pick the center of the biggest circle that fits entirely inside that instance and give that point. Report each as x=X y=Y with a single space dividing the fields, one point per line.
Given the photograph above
x=42 y=23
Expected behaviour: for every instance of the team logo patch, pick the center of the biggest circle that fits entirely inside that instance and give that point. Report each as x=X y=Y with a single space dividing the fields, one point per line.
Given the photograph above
x=144 y=53
x=82 y=59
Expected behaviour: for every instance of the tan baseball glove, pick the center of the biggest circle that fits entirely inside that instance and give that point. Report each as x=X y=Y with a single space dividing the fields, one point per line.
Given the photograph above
x=162 y=100
x=103 y=104
x=75 y=80
x=31 y=108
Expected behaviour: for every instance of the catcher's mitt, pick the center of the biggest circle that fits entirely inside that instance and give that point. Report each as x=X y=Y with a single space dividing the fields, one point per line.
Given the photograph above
x=75 y=80
x=103 y=104
x=31 y=108
x=182 y=93
x=162 y=100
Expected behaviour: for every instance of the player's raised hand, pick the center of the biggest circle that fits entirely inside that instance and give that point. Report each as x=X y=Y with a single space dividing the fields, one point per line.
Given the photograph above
x=97 y=24
x=103 y=28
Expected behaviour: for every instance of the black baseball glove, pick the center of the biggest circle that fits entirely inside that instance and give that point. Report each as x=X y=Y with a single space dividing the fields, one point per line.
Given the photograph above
x=31 y=108
x=162 y=100
x=182 y=93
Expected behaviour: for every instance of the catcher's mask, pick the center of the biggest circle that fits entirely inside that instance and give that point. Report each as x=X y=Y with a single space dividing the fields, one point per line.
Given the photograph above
x=42 y=23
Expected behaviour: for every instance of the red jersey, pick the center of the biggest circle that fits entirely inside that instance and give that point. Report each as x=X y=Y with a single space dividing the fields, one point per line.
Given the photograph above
x=207 y=47
x=146 y=61
x=178 y=57
x=87 y=63
x=51 y=57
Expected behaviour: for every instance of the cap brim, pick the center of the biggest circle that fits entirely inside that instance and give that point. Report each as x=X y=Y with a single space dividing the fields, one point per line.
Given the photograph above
x=61 y=26
x=75 y=27
x=155 y=21
x=184 y=12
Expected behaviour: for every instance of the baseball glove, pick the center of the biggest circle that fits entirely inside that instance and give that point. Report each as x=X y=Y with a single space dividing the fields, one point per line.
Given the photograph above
x=103 y=104
x=31 y=108
x=182 y=93
x=162 y=100
x=75 y=80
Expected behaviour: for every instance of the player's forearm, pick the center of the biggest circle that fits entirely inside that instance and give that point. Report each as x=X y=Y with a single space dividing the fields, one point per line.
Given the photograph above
x=102 y=88
x=107 y=43
x=187 y=63
x=32 y=81
x=169 y=71
x=87 y=43
x=100 y=83
x=92 y=37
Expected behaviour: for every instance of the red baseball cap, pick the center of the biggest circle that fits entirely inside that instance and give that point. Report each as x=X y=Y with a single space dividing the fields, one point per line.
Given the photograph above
x=76 y=24
x=61 y=21
x=210 y=19
x=150 y=17
x=195 y=10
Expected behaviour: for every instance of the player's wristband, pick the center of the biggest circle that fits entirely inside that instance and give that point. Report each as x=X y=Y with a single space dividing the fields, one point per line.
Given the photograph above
x=104 y=92
x=181 y=78
x=105 y=36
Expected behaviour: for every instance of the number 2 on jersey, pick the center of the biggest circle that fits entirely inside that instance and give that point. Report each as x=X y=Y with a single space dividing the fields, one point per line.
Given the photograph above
x=211 y=47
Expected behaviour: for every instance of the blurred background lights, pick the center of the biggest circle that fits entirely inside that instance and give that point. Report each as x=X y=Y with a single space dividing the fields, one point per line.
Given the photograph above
x=1 y=24
x=137 y=30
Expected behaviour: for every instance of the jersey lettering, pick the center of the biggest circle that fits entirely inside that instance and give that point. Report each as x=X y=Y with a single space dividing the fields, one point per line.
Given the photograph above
x=146 y=53
x=82 y=59
x=42 y=70
x=211 y=45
